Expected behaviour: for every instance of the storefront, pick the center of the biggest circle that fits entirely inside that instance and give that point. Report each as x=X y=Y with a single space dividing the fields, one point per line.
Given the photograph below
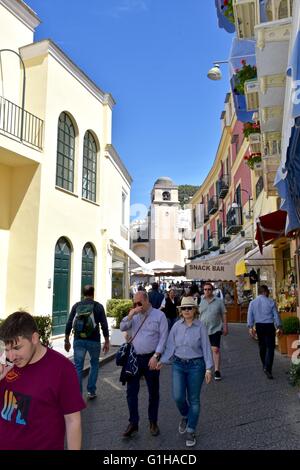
x=221 y=271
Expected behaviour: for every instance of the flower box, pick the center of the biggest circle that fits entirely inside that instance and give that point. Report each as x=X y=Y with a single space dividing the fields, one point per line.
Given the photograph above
x=254 y=159
x=258 y=168
x=246 y=73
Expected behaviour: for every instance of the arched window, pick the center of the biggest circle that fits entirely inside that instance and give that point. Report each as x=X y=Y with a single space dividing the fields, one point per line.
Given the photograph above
x=88 y=265
x=166 y=196
x=65 y=153
x=89 y=170
x=283 y=9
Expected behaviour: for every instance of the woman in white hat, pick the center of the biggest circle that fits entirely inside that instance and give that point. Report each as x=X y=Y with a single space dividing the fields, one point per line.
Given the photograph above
x=188 y=348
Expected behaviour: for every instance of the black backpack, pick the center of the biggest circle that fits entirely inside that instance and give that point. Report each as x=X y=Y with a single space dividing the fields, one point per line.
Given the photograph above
x=84 y=321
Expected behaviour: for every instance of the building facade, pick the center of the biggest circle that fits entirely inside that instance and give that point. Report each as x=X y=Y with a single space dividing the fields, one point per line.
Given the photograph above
x=61 y=178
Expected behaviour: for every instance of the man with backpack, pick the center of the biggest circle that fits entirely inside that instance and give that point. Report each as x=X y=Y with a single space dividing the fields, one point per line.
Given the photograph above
x=84 y=320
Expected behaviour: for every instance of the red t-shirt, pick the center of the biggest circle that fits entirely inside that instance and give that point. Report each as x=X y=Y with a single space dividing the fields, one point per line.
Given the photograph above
x=33 y=402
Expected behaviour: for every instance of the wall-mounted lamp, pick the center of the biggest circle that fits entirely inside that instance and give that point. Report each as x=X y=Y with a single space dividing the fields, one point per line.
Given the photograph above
x=215 y=73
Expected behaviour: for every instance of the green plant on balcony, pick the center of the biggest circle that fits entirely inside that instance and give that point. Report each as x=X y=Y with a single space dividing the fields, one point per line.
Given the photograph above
x=228 y=10
x=253 y=158
x=251 y=128
x=247 y=72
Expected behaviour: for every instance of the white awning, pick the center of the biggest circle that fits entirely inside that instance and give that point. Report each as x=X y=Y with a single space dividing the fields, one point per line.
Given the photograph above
x=217 y=268
x=131 y=254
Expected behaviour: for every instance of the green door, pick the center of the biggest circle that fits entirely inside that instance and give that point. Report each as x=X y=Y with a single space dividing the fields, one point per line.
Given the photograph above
x=61 y=286
x=88 y=265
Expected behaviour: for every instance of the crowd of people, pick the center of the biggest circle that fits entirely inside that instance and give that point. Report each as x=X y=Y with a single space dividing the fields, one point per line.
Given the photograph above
x=41 y=390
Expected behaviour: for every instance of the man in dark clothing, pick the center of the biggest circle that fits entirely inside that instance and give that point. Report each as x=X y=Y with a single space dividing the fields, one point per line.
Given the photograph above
x=91 y=343
x=155 y=297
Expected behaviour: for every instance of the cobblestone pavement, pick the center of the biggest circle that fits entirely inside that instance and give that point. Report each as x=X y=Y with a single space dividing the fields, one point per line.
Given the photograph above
x=243 y=411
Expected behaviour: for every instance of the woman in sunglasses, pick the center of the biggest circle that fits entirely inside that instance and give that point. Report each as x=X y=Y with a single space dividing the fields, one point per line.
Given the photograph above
x=188 y=348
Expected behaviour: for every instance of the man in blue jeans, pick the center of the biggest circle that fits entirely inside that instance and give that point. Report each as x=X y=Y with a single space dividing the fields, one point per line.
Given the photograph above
x=91 y=343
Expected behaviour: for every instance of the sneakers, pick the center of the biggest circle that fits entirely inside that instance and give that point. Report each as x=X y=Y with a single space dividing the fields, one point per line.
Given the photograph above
x=91 y=396
x=182 y=425
x=131 y=430
x=154 y=429
x=190 y=439
x=217 y=375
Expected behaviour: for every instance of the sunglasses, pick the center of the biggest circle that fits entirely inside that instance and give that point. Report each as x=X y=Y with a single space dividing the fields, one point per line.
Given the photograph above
x=137 y=304
x=187 y=308
x=208 y=289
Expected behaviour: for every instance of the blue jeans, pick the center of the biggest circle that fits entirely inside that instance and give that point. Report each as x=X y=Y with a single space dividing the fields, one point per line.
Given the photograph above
x=188 y=376
x=81 y=347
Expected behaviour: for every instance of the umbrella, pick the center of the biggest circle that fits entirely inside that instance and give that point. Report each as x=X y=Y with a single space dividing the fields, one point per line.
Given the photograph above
x=162 y=268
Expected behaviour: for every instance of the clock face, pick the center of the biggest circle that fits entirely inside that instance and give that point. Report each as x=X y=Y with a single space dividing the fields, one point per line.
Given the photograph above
x=166 y=196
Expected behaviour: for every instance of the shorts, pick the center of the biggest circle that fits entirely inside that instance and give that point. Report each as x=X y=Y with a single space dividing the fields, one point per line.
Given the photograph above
x=215 y=339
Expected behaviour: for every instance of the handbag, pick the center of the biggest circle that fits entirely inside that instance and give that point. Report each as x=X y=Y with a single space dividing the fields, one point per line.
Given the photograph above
x=126 y=348
x=122 y=354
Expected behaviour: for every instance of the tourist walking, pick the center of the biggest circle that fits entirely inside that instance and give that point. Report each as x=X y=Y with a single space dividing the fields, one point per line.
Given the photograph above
x=84 y=320
x=188 y=348
x=149 y=330
x=213 y=315
x=39 y=391
x=262 y=316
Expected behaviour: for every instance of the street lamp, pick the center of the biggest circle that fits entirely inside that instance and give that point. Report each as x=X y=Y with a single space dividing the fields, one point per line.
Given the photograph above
x=215 y=73
x=235 y=205
x=23 y=87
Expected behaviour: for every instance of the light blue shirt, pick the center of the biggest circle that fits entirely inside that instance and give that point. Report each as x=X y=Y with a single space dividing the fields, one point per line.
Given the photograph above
x=153 y=334
x=212 y=314
x=263 y=310
x=188 y=342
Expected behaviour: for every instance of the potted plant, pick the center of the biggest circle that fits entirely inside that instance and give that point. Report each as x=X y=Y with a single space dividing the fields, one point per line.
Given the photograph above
x=119 y=311
x=251 y=128
x=252 y=159
x=246 y=72
x=294 y=372
x=291 y=328
x=227 y=10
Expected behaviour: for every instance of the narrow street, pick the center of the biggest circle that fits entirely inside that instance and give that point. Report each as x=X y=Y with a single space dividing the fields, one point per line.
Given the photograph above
x=243 y=411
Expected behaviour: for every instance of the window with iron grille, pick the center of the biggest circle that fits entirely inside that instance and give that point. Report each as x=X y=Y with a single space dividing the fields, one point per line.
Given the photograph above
x=89 y=170
x=259 y=186
x=65 y=153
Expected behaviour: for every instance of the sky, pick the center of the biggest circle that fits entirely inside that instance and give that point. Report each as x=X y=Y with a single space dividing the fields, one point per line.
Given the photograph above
x=153 y=57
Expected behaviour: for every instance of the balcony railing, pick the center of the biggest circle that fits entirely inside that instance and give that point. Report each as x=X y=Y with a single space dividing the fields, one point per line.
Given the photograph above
x=212 y=205
x=193 y=253
x=206 y=215
x=205 y=248
x=234 y=221
x=213 y=243
x=20 y=124
x=223 y=186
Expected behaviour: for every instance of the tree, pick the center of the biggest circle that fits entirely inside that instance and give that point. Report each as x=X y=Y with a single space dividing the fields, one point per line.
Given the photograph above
x=185 y=192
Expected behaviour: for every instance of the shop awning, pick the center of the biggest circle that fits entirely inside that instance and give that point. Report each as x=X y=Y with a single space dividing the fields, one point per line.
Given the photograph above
x=240 y=268
x=254 y=259
x=269 y=227
x=131 y=254
x=216 y=268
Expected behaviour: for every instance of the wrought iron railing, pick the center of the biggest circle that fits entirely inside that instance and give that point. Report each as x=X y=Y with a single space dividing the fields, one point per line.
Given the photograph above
x=21 y=124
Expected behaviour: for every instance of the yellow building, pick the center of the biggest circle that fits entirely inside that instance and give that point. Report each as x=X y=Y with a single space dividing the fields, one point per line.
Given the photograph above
x=65 y=193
